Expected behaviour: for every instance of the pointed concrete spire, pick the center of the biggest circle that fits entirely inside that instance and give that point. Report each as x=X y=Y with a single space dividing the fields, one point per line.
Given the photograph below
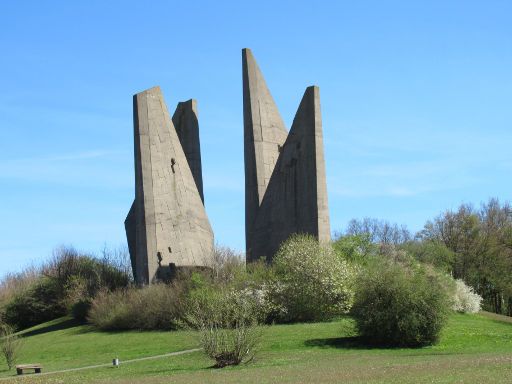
x=187 y=126
x=296 y=197
x=264 y=135
x=131 y=234
x=167 y=223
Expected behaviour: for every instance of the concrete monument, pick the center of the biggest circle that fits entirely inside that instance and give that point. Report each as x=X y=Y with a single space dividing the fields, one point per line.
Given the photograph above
x=167 y=226
x=285 y=185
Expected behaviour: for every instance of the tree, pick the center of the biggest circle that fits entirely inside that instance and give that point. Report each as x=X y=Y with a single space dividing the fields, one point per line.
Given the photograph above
x=379 y=231
x=481 y=241
x=10 y=344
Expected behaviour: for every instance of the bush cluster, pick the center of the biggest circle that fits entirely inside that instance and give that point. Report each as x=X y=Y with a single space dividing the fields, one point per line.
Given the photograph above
x=65 y=284
x=394 y=299
x=157 y=306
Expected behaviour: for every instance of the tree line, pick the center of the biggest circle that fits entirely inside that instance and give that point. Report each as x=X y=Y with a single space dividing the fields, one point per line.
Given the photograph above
x=470 y=243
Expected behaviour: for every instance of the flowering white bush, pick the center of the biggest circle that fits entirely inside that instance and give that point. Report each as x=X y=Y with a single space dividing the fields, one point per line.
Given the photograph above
x=312 y=282
x=465 y=300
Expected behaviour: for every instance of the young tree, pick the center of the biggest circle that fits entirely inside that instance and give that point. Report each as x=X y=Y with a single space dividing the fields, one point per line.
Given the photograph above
x=10 y=344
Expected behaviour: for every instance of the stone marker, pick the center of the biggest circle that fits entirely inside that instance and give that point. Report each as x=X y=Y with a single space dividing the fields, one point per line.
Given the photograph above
x=285 y=185
x=167 y=226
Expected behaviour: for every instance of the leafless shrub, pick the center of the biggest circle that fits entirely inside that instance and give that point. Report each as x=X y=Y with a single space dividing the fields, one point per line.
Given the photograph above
x=14 y=284
x=118 y=258
x=225 y=264
x=157 y=306
x=227 y=322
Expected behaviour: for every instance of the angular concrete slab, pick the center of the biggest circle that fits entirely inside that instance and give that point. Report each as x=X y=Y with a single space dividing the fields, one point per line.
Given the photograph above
x=294 y=198
x=264 y=135
x=131 y=235
x=167 y=223
x=186 y=122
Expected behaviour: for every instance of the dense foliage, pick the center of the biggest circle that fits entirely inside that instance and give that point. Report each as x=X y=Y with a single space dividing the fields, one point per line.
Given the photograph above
x=481 y=243
x=40 y=303
x=472 y=244
x=400 y=305
x=65 y=284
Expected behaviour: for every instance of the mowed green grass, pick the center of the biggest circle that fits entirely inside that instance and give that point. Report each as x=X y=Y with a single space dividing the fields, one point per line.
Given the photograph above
x=473 y=349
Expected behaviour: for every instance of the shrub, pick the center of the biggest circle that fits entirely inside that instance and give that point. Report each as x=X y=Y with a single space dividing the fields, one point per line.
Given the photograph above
x=71 y=269
x=10 y=344
x=400 y=306
x=157 y=306
x=465 y=299
x=80 y=310
x=36 y=305
x=65 y=284
x=312 y=282
x=226 y=320
x=15 y=284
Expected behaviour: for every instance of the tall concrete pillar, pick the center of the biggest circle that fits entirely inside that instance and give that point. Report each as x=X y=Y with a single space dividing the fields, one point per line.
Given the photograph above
x=167 y=223
x=264 y=135
x=294 y=198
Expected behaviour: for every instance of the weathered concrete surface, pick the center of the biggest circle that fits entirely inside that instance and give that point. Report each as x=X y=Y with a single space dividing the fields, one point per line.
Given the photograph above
x=187 y=126
x=264 y=135
x=167 y=222
x=286 y=190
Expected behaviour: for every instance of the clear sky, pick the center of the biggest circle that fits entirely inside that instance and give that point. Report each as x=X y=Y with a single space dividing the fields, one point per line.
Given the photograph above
x=416 y=106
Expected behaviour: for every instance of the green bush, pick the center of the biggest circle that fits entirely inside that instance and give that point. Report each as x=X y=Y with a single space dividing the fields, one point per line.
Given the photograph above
x=311 y=281
x=400 y=306
x=157 y=306
x=80 y=309
x=35 y=305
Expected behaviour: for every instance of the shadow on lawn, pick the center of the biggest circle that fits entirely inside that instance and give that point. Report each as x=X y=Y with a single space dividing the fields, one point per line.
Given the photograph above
x=356 y=342
x=65 y=324
x=349 y=342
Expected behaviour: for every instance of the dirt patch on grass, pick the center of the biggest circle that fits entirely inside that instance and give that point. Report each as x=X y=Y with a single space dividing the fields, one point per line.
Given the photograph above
x=495 y=316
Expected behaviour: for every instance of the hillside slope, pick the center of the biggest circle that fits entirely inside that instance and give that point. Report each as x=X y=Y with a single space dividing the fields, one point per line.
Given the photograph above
x=473 y=349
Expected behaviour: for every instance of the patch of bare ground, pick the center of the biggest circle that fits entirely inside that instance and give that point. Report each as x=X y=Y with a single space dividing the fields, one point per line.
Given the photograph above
x=495 y=316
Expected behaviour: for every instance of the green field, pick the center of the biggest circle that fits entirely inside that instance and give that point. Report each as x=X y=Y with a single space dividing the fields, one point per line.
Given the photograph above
x=473 y=349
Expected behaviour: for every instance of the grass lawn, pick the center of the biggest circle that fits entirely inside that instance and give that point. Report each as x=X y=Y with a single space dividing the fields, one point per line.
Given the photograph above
x=473 y=349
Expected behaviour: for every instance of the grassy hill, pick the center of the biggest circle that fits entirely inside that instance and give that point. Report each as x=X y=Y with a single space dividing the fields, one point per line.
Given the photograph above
x=473 y=349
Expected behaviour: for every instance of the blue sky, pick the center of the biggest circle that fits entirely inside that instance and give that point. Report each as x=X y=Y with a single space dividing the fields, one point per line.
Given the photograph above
x=416 y=106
